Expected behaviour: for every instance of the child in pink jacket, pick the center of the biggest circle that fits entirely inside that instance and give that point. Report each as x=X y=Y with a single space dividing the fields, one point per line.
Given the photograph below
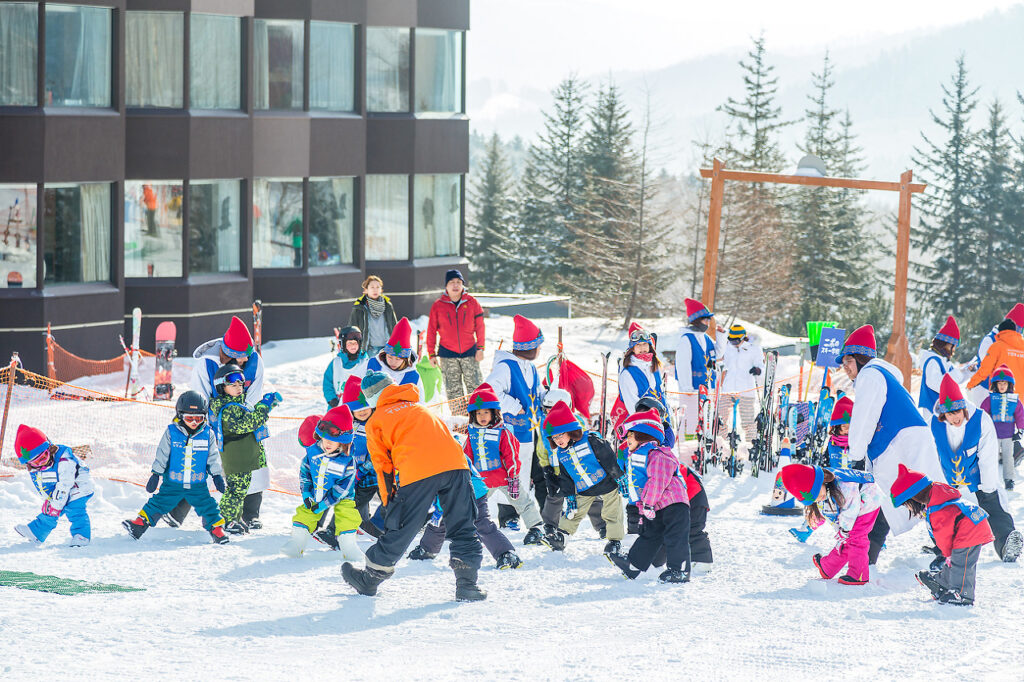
x=653 y=482
x=850 y=500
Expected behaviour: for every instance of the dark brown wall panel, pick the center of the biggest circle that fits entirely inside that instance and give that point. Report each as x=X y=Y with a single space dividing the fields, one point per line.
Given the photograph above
x=21 y=142
x=220 y=146
x=280 y=146
x=442 y=146
x=337 y=146
x=156 y=146
x=388 y=143
x=391 y=12
x=443 y=14
x=83 y=147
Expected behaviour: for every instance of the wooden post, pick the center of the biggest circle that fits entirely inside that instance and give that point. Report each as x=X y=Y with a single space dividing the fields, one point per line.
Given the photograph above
x=707 y=293
x=898 y=352
x=51 y=370
x=7 y=400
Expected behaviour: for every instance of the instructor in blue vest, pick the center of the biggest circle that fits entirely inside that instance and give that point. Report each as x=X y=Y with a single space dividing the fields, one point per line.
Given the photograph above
x=695 y=360
x=886 y=430
x=936 y=362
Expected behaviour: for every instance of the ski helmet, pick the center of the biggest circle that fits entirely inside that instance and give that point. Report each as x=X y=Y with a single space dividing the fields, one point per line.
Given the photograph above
x=190 y=403
x=651 y=403
x=557 y=395
x=349 y=333
x=227 y=374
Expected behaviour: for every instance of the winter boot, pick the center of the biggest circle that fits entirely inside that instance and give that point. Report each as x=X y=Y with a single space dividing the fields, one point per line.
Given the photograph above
x=623 y=563
x=613 y=547
x=327 y=537
x=254 y=524
x=817 y=564
x=934 y=586
x=171 y=521
x=420 y=554
x=24 y=531
x=364 y=580
x=466 y=588
x=533 y=536
x=850 y=580
x=1012 y=546
x=296 y=544
x=508 y=560
x=1009 y=483
x=217 y=533
x=78 y=541
x=801 y=534
x=953 y=598
x=511 y=524
x=349 y=549
x=671 y=575
x=603 y=533
x=136 y=528
x=554 y=539
x=236 y=527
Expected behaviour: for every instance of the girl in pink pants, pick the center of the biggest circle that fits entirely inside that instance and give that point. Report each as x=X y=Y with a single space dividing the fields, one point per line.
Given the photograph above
x=850 y=500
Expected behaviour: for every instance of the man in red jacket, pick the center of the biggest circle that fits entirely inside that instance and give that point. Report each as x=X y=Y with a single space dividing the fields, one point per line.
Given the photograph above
x=459 y=320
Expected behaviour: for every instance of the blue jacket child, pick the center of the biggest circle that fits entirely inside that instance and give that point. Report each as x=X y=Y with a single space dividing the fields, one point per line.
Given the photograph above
x=63 y=482
x=186 y=455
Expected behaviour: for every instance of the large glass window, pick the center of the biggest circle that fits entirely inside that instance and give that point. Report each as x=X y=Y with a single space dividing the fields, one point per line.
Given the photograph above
x=215 y=66
x=387 y=69
x=330 y=221
x=277 y=223
x=17 y=235
x=332 y=66
x=154 y=67
x=19 y=32
x=213 y=233
x=78 y=56
x=76 y=233
x=278 y=58
x=438 y=71
x=437 y=223
x=152 y=229
x=387 y=217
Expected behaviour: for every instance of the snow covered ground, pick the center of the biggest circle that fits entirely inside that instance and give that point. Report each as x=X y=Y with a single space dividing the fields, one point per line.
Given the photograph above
x=243 y=611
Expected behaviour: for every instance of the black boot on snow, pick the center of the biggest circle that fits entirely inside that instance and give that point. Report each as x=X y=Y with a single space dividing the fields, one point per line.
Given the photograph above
x=254 y=523
x=1009 y=483
x=325 y=537
x=623 y=563
x=236 y=527
x=671 y=575
x=613 y=547
x=1012 y=546
x=554 y=539
x=533 y=536
x=953 y=598
x=929 y=580
x=217 y=533
x=420 y=554
x=508 y=560
x=135 y=528
x=466 y=588
x=365 y=580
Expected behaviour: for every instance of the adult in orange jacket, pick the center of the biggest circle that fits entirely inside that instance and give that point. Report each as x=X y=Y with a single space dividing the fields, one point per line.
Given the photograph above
x=1007 y=349
x=418 y=463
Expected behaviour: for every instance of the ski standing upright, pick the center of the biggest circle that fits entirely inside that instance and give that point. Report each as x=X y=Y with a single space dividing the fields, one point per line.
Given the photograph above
x=166 y=333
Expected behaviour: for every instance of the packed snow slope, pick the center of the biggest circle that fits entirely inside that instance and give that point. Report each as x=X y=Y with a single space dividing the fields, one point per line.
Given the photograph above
x=243 y=610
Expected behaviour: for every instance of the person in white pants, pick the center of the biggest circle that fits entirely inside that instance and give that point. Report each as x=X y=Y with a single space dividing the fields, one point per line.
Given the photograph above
x=743 y=363
x=695 y=360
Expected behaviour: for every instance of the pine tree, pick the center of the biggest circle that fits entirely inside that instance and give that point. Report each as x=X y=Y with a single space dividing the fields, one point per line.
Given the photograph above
x=948 y=214
x=490 y=242
x=753 y=226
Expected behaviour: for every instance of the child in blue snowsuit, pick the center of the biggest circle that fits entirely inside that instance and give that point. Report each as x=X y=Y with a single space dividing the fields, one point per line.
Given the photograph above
x=63 y=482
x=186 y=454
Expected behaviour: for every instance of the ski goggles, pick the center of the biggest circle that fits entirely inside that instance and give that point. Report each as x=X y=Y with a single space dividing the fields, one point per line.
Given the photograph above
x=233 y=378
x=40 y=461
x=193 y=420
x=330 y=431
x=640 y=336
x=353 y=336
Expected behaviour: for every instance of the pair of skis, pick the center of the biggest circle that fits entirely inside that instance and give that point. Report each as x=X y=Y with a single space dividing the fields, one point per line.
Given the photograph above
x=761 y=448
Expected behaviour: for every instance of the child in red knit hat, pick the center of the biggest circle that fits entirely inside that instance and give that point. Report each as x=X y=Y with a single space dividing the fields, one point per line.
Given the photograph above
x=960 y=530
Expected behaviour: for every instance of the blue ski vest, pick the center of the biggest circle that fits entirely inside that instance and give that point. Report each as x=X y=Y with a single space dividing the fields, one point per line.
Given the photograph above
x=643 y=387
x=218 y=427
x=581 y=464
x=700 y=356
x=974 y=513
x=45 y=480
x=189 y=456
x=838 y=457
x=320 y=473
x=991 y=336
x=927 y=397
x=960 y=467
x=524 y=425
x=485 y=444
x=898 y=413
x=411 y=376
x=361 y=456
x=636 y=471
x=847 y=475
x=1002 y=406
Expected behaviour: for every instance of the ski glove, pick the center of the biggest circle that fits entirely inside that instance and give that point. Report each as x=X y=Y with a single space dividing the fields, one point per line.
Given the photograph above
x=49 y=509
x=756 y=371
x=309 y=503
x=152 y=483
x=570 y=505
x=646 y=510
x=333 y=402
x=623 y=484
x=842 y=536
x=551 y=480
x=218 y=483
x=937 y=563
x=513 y=487
x=271 y=400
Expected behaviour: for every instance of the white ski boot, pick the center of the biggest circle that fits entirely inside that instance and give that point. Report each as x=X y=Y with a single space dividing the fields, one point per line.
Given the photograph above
x=24 y=531
x=349 y=549
x=296 y=544
x=79 y=541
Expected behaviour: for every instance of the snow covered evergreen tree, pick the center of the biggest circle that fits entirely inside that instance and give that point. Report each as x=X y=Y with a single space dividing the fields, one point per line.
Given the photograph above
x=490 y=239
x=751 y=284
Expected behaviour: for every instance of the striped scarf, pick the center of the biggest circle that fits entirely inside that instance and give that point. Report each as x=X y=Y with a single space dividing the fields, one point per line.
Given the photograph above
x=376 y=306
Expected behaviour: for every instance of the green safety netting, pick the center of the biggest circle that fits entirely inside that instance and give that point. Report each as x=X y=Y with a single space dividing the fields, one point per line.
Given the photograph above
x=56 y=585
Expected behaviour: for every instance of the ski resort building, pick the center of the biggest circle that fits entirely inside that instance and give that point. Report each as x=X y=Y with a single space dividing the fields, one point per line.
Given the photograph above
x=190 y=156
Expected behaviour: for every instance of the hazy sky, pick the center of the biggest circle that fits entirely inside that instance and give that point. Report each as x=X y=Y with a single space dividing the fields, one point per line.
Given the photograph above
x=536 y=42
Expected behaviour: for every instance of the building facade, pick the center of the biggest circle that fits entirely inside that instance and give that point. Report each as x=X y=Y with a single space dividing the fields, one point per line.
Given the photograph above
x=189 y=156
